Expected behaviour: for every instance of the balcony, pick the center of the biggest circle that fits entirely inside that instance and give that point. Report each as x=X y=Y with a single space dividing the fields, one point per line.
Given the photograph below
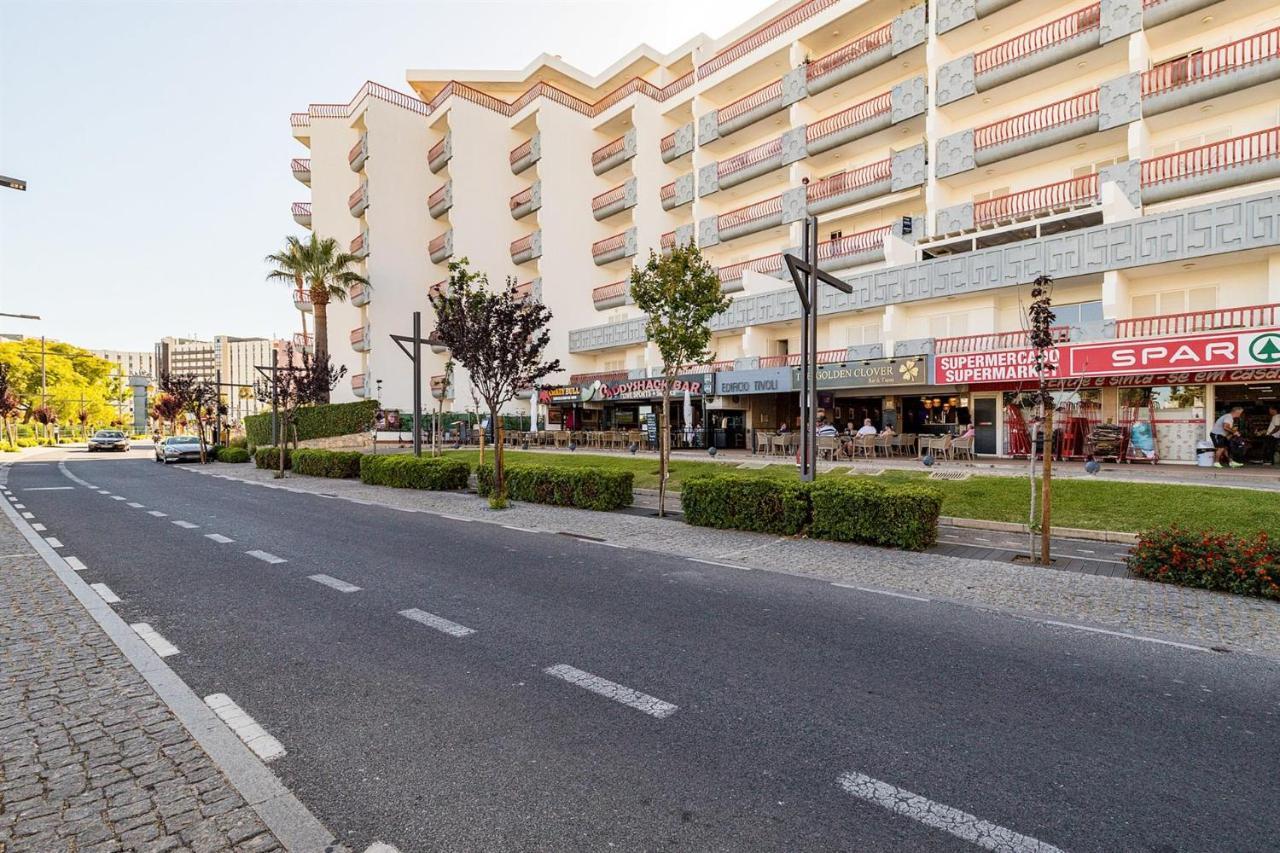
x=302 y=301
x=850 y=187
x=995 y=341
x=526 y=248
x=1060 y=197
x=1036 y=129
x=1246 y=62
x=864 y=247
x=612 y=295
x=1242 y=159
x=1048 y=44
x=359 y=294
x=526 y=201
x=614 y=201
x=825 y=356
x=732 y=276
x=1194 y=322
x=441 y=248
x=358 y=201
x=601 y=376
x=302 y=343
x=843 y=63
x=667 y=242
x=751 y=163
x=525 y=154
x=750 y=219
x=301 y=170
x=359 y=153
x=361 y=339
x=527 y=290
x=439 y=202
x=360 y=244
x=677 y=143
x=859 y=120
x=440 y=154
x=302 y=213
x=441 y=388
x=614 y=153
x=614 y=248
x=358 y=384
x=749 y=109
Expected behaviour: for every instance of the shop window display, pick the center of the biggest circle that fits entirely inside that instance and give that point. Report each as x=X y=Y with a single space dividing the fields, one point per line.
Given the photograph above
x=1077 y=419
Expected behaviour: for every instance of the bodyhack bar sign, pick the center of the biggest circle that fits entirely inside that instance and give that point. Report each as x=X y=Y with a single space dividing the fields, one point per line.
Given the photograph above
x=1219 y=351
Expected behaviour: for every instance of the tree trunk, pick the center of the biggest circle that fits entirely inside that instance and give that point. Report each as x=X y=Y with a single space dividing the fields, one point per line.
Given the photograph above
x=204 y=451
x=664 y=447
x=1031 y=512
x=481 y=431
x=1046 y=481
x=499 y=475
x=281 y=449
x=321 y=309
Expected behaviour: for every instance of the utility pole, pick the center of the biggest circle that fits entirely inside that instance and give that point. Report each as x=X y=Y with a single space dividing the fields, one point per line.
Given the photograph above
x=414 y=352
x=268 y=372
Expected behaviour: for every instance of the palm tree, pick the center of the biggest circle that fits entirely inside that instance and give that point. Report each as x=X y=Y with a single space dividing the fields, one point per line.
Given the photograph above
x=324 y=271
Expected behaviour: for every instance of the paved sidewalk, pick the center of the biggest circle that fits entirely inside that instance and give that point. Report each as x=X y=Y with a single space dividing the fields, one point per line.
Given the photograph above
x=1151 y=609
x=91 y=759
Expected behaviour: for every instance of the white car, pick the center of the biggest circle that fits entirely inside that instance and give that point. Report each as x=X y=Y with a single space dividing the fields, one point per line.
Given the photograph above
x=109 y=439
x=177 y=448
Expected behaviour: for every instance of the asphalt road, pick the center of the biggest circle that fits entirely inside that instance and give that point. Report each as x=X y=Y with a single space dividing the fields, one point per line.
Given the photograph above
x=803 y=712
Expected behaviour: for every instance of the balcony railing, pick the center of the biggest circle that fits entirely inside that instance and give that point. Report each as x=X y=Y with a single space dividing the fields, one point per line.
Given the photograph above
x=606 y=292
x=302 y=300
x=1214 y=157
x=602 y=376
x=854 y=244
x=1018 y=339
x=521 y=244
x=1037 y=201
x=301 y=211
x=667 y=192
x=1252 y=317
x=1035 y=121
x=438 y=243
x=359 y=294
x=524 y=290
x=438 y=288
x=1210 y=63
x=668 y=142
x=358 y=151
x=525 y=196
x=359 y=337
x=766 y=265
x=608 y=150
x=826 y=356
x=301 y=169
x=842 y=56
x=608 y=244
x=521 y=150
x=747 y=103
x=358 y=382
x=609 y=197
x=738 y=162
x=750 y=213
x=357 y=243
x=850 y=180
x=1041 y=38
x=855 y=114
x=437 y=198
x=301 y=340
x=667 y=241
x=358 y=200
x=762 y=34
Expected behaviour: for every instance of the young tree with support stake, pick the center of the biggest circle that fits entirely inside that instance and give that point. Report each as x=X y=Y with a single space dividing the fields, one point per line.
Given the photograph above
x=680 y=292
x=498 y=337
x=194 y=395
x=298 y=382
x=1040 y=318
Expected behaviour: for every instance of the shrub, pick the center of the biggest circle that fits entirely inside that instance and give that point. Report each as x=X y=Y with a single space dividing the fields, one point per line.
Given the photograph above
x=740 y=502
x=317 y=421
x=412 y=472
x=268 y=458
x=239 y=441
x=1209 y=561
x=862 y=511
x=232 y=454
x=338 y=464
x=28 y=442
x=586 y=488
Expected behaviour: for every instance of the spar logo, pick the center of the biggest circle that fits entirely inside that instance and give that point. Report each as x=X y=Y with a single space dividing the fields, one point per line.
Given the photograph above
x=1265 y=349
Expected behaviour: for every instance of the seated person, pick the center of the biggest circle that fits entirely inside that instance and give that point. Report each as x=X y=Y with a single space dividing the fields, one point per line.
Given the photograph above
x=867 y=427
x=888 y=431
x=825 y=429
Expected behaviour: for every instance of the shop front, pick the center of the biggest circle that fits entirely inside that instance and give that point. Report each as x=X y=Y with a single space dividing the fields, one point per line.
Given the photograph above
x=748 y=402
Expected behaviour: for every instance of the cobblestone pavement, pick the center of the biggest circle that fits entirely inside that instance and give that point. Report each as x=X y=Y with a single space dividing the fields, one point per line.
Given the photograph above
x=91 y=759
x=1138 y=606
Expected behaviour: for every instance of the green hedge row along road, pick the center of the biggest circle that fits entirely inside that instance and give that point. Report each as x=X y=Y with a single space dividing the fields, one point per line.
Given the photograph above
x=317 y=421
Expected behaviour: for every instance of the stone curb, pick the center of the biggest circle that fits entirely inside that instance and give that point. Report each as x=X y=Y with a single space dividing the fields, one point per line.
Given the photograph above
x=292 y=823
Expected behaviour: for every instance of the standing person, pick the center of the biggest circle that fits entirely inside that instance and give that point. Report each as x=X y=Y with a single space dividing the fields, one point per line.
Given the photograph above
x=1271 y=438
x=1223 y=430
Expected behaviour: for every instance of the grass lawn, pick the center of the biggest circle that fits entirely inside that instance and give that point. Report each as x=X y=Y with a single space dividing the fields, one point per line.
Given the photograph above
x=1090 y=504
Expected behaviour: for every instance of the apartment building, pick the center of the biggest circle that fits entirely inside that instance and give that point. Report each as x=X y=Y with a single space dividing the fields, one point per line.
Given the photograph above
x=952 y=150
x=226 y=359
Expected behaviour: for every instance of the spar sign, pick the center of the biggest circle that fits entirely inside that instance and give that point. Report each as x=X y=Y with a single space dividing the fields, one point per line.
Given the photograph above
x=1217 y=351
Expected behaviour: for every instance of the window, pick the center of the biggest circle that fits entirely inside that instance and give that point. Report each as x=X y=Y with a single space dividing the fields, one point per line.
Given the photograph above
x=835 y=235
x=990 y=194
x=615 y=364
x=1078 y=314
x=866 y=333
x=1164 y=397
x=1090 y=169
x=1175 y=301
x=1193 y=141
x=949 y=325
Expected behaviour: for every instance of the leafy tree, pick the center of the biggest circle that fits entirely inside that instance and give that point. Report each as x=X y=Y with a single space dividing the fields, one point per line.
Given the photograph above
x=680 y=292
x=46 y=417
x=499 y=337
x=299 y=381
x=324 y=271
x=10 y=405
x=197 y=397
x=166 y=409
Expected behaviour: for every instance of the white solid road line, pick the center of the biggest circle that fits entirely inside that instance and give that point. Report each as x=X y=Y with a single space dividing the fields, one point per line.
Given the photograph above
x=38 y=527
x=718 y=563
x=105 y=591
x=157 y=513
x=158 y=644
x=1125 y=635
x=266 y=557
x=254 y=736
x=219 y=538
x=53 y=543
x=612 y=690
x=880 y=591
x=519 y=529
x=74 y=562
x=380 y=847
x=962 y=825
x=334 y=583
x=48 y=488
x=135 y=505
x=185 y=525
x=431 y=620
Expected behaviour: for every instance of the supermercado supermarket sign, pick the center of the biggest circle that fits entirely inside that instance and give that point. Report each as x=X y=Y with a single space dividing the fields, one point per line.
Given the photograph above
x=1191 y=353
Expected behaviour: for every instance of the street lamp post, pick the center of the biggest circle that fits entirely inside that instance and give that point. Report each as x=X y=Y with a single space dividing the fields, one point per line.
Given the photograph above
x=411 y=345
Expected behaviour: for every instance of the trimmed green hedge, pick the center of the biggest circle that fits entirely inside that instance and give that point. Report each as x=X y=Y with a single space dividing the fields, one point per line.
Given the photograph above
x=586 y=488
x=338 y=464
x=317 y=421
x=857 y=510
x=268 y=458
x=411 y=472
x=239 y=441
x=232 y=454
x=739 y=502
x=1209 y=561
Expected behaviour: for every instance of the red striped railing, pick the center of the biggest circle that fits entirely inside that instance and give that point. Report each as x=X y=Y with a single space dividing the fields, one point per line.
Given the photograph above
x=1072 y=192
x=763 y=34
x=1034 y=121
x=852 y=179
x=357 y=243
x=436 y=150
x=300 y=165
x=521 y=150
x=1214 y=157
x=842 y=56
x=437 y=289
x=301 y=339
x=609 y=197
x=523 y=291
x=1019 y=339
x=523 y=197
x=826 y=356
x=1252 y=317
x=765 y=265
x=358 y=335
x=667 y=191
x=299 y=119
x=610 y=291
x=750 y=213
x=301 y=296
x=668 y=142
x=855 y=114
x=356 y=149
x=854 y=244
x=437 y=197
x=1042 y=37
x=521 y=244
x=602 y=376
x=684 y=81
x=667 y=240
x=355 y=197
x=1212 y=62
x=357 y=381
x=438 y=243
x=749 y=102
x=301 y=208
x=608 y=244
x=607 y=150
x=772 y=148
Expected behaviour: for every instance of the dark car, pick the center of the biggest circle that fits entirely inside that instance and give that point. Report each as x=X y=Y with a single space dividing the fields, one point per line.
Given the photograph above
x=109 y=439
x=178 y=448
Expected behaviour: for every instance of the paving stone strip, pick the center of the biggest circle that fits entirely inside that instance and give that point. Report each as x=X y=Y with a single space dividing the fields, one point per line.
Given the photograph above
x=91 y=758
x=1123 y=604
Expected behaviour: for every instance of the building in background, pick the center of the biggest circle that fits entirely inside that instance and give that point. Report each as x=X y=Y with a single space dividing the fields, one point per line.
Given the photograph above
x=1131 y=149
x=133 y=370
x=226 y=359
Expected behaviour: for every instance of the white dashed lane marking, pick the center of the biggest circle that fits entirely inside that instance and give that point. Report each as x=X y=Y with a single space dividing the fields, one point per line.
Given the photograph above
x=219 y=538
x=38 y=527
x=266 y=557
x=962 y=825
x=105 y=592
x=152 y=638
x=185 y=525
x=611 y=690
x=431 y=620
x=28 y=515
x=334 y=583
x=254 y=736
x=881 y=592
x=74 y=562
x=135 y=505
x=117 y=497
x=19 y=506
x=157 y=513
x=53 y=543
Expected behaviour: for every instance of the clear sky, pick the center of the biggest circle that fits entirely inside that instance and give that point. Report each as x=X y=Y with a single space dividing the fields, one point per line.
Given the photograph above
x=155 y=137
